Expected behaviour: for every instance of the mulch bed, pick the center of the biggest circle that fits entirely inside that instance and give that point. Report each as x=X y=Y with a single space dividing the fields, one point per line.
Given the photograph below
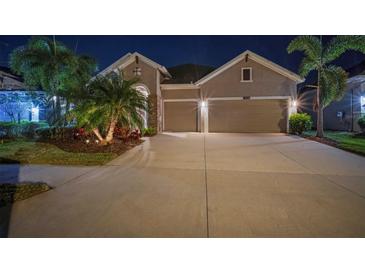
x=333 y=143
x=323 y=140
x=118 y=146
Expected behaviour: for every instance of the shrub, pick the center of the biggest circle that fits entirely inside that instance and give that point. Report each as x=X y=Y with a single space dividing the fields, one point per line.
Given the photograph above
x=134 y=135
x=361 y=123
x=24 y=129
x=299 y=122
x=56 y=133
x=149 y=131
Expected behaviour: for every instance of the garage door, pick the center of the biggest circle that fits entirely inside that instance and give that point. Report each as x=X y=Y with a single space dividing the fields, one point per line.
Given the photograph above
x=247 y=116
x=180 y=116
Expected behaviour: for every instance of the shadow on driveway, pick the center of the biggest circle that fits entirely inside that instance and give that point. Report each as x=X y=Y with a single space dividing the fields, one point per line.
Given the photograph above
x=5 y=209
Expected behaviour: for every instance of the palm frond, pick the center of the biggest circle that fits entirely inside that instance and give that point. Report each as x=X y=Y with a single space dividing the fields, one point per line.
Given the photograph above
x=306 y=66
x=308 y=44
x=333 y=84
x=340 y=44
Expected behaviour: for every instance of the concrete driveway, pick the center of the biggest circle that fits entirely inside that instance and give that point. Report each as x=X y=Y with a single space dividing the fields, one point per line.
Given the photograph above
x=199 y=185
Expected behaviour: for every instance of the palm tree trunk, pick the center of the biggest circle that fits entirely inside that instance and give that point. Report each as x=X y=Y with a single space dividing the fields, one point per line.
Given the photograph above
x=67 y=110
x=109 y=136
x=320 y=132
x=98 y=135
x=58 y=110
x=319 y=103
x=319 y=113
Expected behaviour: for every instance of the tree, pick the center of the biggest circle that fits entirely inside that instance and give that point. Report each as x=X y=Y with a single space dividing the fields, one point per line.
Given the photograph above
x=108 y=101
x=48 y=64
x=331 y=81
x=13 y=105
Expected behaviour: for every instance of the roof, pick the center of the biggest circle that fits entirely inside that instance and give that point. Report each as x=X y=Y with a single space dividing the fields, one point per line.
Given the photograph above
x=188 y=73
x=129 y=58
x=7 y=71
x=257 y=58
x=358 y=69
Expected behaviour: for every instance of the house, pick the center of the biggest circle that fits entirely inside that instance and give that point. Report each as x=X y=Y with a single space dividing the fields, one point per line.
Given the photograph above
x=339 y=115
x=8 y=80
x=16 y=103
x=247 y=94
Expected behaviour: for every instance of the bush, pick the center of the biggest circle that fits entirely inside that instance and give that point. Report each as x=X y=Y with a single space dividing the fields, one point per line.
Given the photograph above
x=56 y=133
x=299 y=122
x=361 y=123
x=149 y=131
x=24 y=129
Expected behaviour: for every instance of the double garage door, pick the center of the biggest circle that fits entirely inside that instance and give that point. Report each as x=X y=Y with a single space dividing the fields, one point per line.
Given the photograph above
x=234 y=116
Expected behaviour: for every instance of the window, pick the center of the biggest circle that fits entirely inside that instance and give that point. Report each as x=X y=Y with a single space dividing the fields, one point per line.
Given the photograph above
x=362 y=103
x=246 y=75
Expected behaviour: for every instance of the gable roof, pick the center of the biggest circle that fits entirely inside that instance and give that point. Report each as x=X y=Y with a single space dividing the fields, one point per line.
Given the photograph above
x=129 y=58
x=257 y=58
x=188 y=73
x=8 y=73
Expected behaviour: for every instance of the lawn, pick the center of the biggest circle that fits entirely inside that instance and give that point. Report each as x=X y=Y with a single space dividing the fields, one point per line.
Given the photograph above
x=31 y=152
x=345 y=140
x=10 y=193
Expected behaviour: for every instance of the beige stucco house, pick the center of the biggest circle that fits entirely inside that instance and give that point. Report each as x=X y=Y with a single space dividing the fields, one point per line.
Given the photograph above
x=247 y=94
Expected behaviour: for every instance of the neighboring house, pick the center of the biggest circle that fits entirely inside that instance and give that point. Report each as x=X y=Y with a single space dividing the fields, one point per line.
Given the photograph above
x=247 y=94
x=339 y=115
x=9 y=81
x=16 y=103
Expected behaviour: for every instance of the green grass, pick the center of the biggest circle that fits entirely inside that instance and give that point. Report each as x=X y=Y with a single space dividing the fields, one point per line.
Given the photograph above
x=10 y=193
x=345 y=140
x=29 y=152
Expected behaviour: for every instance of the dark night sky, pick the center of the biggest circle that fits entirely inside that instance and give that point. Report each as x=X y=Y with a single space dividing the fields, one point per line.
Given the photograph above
x=175 y=50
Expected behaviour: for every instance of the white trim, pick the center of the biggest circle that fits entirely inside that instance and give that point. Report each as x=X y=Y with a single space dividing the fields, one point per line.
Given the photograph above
x=224 y=98
x=143 y=86
x=250 y=98
x=181 y=100
x=259 y=59
x=129 y=58
x=246 y=81
x=270 y=97
x=178 y=86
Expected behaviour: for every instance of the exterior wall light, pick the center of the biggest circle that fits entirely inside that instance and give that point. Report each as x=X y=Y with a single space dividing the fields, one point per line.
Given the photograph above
x=295 y=103
x=203 y=104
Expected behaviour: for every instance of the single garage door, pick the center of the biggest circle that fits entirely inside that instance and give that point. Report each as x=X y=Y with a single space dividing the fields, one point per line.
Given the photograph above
x=181 y=116
x=247 y=115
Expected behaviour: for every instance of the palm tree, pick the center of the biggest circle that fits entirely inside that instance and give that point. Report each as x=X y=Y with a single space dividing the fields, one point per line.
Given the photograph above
x=319 y=57
x=48 y=64
x=108 y=101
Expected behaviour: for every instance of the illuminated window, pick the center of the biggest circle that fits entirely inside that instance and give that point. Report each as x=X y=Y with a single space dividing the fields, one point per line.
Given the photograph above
x=362 y=103
x=246 y=75
x=35 y=114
